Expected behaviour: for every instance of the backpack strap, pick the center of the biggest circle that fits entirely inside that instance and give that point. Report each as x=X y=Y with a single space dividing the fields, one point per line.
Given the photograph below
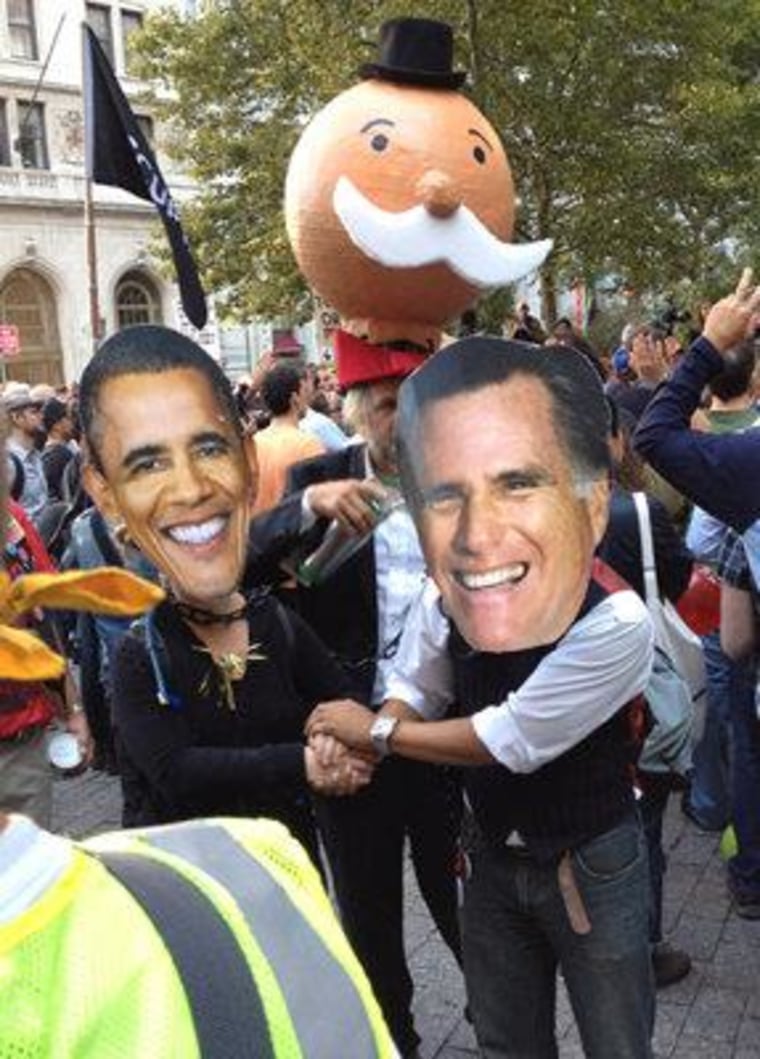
x=16 y=485
x=103 y=541
x=146 y=631
x=226 y=1008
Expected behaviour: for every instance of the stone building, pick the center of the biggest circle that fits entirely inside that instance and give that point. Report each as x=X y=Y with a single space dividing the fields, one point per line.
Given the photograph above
x=44 y=276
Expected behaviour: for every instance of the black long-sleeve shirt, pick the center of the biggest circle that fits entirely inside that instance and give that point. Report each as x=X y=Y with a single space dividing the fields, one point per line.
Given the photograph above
x=205 y=758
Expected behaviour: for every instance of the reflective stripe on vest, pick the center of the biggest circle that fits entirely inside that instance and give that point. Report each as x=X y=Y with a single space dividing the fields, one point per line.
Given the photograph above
x=323 y=1002
x=224 y=1002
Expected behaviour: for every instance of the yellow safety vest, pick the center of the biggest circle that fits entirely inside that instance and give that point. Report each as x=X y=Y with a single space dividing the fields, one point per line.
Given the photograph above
x=89 y=971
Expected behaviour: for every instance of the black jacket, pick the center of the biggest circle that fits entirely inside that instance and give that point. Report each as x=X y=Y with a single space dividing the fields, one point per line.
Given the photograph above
x=343 y=609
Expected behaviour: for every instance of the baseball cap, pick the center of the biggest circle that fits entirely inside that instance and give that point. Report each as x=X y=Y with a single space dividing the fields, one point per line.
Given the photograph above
x=620 y=360
x=18 y=397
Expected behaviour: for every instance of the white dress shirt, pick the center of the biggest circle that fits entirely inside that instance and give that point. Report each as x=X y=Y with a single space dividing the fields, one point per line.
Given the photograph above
x=601 y=662
x=399 y=580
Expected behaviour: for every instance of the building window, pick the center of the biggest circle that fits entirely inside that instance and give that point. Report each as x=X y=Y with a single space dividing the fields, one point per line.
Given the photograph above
x=32 y=143
x=21 y=29
x=99 y=21
x=131 y=22
x=5 y=144
x=27 y=301
x=137 y=301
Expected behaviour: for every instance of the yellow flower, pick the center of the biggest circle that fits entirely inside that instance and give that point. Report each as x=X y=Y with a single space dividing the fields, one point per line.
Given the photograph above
x=23 y=656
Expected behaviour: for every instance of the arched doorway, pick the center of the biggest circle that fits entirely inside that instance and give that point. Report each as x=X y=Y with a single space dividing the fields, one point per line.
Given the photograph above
x=137 y=300
x=27 y=300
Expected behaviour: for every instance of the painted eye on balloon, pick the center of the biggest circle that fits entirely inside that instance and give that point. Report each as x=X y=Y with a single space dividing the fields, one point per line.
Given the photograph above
x=379 y=141
x=479 y=155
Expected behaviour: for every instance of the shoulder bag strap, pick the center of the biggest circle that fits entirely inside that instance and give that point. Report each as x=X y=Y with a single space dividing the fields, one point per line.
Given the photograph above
x=16 y=487
x=651 y=587
x=146 y=631
x=103 y=540
x=227 y=1012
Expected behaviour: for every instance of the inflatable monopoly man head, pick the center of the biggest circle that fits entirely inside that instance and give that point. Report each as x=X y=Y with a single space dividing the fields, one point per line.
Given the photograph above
x=400 y=204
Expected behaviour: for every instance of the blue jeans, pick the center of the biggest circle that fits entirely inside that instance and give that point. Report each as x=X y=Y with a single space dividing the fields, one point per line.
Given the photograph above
x=652 y=807
x=744 y=868
x=516 y=932
x=710 y=794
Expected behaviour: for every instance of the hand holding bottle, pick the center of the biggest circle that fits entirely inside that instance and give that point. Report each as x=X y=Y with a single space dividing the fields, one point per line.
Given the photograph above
x=355 y=513
x=348 y=501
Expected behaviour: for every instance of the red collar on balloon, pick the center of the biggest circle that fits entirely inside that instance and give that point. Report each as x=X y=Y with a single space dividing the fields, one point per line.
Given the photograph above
x=358 y=361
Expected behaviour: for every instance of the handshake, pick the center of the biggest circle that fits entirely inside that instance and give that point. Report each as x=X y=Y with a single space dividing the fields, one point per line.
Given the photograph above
x=339 y=755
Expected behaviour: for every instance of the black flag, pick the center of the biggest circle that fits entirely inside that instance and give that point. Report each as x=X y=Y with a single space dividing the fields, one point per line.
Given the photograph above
x=118 y=154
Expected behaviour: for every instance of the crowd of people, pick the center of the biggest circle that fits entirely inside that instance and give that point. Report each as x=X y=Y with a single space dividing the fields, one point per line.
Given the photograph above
x=503 y=604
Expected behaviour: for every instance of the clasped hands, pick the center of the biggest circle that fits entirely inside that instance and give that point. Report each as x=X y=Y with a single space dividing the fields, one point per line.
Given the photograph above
x=340 y=758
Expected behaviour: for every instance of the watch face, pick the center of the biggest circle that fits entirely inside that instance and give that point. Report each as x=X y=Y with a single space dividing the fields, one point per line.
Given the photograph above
x=64 y=753
x=380 y=733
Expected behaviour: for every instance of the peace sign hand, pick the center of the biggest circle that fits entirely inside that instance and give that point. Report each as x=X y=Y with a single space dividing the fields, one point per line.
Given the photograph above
x=731 y=319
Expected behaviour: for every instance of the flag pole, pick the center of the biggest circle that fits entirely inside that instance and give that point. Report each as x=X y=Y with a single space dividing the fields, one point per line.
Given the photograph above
x=118 y=155
x=92 y=261
x=91 y=243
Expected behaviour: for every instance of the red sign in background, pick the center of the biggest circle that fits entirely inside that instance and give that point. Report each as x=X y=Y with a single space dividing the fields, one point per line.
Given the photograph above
x=10 y=343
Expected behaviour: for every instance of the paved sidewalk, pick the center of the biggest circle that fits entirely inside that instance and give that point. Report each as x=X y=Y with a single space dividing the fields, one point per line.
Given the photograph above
x=714 y=1012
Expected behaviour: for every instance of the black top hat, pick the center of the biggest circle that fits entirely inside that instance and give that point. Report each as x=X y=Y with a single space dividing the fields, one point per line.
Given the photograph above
x=415 y=51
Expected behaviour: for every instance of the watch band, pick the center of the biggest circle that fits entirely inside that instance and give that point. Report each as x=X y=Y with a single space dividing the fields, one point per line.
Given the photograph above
x=380 y=733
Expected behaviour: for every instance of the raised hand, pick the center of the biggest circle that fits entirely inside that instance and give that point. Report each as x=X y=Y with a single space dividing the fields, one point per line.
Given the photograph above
x=731 y=319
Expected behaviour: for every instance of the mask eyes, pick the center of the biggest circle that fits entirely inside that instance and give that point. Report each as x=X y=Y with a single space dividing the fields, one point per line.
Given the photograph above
x=379 y=142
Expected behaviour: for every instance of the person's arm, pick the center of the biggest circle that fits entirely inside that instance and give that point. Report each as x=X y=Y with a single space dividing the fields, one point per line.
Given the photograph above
x=273 y=537
x=298 y=523
x=704 y=536
x=419 y=688
x=74 y=717
x=439 y=742
x=602 y=663
x=331 y=768
x=422 y=678
x=738 y=632
x=711 y=470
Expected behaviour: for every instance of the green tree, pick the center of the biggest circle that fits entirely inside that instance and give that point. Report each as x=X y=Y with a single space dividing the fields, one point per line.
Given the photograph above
x=631 y=128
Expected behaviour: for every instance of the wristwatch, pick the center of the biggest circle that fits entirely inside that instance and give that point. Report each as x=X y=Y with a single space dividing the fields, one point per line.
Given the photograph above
x=380 y=733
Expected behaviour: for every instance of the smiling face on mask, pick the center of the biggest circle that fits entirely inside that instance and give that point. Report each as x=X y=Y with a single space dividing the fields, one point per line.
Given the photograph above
x=176 y=472
x=507 y=532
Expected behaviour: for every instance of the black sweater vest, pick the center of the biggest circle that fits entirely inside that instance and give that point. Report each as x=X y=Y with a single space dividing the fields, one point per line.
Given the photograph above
x=582 y=793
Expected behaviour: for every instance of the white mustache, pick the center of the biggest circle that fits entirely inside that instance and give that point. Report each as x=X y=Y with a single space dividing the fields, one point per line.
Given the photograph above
x=414 y=238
